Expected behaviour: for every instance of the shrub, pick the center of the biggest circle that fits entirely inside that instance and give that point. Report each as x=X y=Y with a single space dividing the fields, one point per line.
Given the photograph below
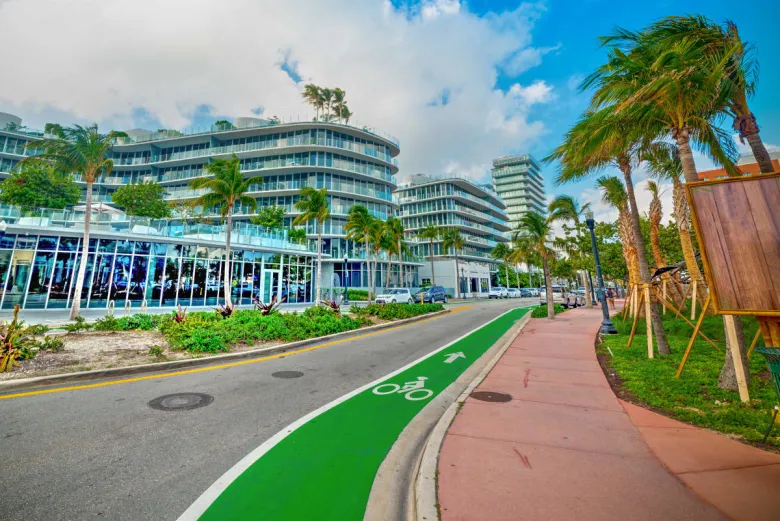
x=156 y=351
x=37 y=329
x=180 y=314
x=357 y=310
x=107 y=323
x=225 y=310
x=358 y=294
x=138 y=321
x=400 y=311
x=541 y=310
x=14 y=343
x=50 y=343
x=80 y=324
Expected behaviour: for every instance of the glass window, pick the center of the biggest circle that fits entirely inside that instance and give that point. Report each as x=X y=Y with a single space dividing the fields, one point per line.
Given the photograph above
x=185 y=282
x=69 y=243
x=101 y=281
x=19 y=272
x=124 y=247
x=107 y=246
x=171 y=282
x=159 y=248
x=47 y=243
x=62 y=276
x=5 y=259
x=7 y=241
x=137 y=286
x=143 y=247
x=39 y=281
x=155 y=281
x=25 y=243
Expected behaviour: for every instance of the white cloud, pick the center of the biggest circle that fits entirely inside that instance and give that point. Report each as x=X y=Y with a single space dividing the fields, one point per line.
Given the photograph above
x=526 y=59
x=111 y=61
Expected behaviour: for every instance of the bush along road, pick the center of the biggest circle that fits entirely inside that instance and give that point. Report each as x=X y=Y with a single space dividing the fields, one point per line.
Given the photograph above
x=323 y=465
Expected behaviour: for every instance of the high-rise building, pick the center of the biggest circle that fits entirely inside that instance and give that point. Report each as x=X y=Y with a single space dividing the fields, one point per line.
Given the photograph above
x=474 y=210
x=519 y=183
x=174 y=263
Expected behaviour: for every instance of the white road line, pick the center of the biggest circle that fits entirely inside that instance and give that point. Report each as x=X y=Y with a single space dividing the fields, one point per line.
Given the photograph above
x=199 y=507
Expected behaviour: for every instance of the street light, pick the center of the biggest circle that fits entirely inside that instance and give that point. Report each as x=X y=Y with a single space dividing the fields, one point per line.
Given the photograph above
x=346 y=280
x=607 y=327
x=460 y=283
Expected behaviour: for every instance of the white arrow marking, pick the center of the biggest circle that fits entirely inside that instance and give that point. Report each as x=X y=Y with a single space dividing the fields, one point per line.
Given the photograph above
x=453 y=356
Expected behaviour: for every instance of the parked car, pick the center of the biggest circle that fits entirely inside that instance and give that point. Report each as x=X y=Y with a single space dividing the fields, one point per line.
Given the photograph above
x=527 y=292
x=395 y=296
x=432 y=295
x=498 y=292
x=513 y=293
x=561 y=296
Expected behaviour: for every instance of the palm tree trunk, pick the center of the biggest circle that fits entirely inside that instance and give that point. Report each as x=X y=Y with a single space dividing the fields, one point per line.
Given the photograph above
x=658 y=327
x=75 y=309
x=748 y=128
x=686 y=156
x=228 y=270
x=506 y=272
x=319 y=262
x=368 y=269
x=457 y=278
x=430 y=254
x=548 y=288
x=588 y=301
x=400 y=265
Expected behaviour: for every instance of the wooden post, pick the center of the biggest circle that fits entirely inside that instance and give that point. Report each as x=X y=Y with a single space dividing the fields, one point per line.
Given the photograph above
x=736 y=357
x=663 y=285
x=693 y=338
x=648 y=320
x=693 y=300
x=754 y=342
x=677 y=312
x=633 y=326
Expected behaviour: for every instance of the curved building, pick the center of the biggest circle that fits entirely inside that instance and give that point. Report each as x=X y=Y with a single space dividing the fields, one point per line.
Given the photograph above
x=519 y=183
x=356 y=165
x=478 y=214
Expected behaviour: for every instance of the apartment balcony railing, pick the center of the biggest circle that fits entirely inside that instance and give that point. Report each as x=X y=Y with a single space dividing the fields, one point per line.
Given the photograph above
x=402 y=199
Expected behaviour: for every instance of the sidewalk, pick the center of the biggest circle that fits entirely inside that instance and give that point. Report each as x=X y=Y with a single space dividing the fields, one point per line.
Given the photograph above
x=565 y=448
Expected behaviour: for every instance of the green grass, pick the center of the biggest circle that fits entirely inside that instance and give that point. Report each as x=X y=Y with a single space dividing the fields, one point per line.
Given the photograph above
x=695 y=397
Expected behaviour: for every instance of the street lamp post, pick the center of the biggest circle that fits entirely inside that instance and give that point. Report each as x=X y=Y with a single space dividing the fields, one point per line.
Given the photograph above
x=346 y=280
x=460 y=283
x=607 y=327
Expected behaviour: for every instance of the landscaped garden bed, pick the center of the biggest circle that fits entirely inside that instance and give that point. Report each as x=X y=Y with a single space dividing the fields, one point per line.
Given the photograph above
x=142 y=339
x=695 y=397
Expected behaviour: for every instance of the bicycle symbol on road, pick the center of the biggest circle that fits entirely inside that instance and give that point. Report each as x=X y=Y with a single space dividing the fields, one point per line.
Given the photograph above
x=412 y=390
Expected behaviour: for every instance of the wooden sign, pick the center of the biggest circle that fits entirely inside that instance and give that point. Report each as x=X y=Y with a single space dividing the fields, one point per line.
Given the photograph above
x=737 y=223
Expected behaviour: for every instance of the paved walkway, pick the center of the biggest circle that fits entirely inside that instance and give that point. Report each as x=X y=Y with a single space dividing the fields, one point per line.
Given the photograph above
x=565 y=448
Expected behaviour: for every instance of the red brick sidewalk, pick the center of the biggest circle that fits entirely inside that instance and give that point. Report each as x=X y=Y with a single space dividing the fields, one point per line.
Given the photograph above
x=563 y=448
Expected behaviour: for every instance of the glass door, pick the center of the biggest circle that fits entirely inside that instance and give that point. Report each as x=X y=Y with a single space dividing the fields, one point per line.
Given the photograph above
x=270 y=284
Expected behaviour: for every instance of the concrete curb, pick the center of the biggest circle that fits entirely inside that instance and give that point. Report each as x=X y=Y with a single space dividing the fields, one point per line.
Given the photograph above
x=39 y=381
x=424 y=485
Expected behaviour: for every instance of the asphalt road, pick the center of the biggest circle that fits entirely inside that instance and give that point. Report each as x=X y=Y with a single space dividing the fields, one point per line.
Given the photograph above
x=103 y=453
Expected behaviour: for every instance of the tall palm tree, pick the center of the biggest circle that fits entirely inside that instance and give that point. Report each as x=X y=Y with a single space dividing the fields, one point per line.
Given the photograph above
x=314 y=206
x=740 y=74
x=311 y=94
x=600 y=139
x=358 y=228
x=655 y=214
x=345 y=114
x=502 y=251
x=84 y=151
x=395 y=232
x=379 y=242
x=613 y=193
x=454 y=240
x=567 y=208
x=226 y=187
x=664 y=164
x=533 y=236
x=431 y=233
x=326 y=98
x=339 y=100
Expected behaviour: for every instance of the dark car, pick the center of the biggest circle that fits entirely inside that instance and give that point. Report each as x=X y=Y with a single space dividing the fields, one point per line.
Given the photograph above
x=433 y=294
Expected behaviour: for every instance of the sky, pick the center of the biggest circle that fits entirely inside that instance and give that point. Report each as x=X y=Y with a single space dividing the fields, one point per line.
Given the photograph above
x=458 y=83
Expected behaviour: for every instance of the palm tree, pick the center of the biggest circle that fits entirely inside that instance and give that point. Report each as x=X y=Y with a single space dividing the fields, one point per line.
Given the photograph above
x=314 y=206
x=502 y=251
x=311 y=94
x=297 y=235
x=226 y=188
x=395 y=232
x=431 y=233
x=453 y=239
x=600 y=139
x=358 y=228
x=664 y=164
x=740 y=74
x=339 y=100
x=533 y=235
x=83 y=151
x=614 y=194
x=568 y=208
x=379 y=242
x=326 y=98
x=345 y=113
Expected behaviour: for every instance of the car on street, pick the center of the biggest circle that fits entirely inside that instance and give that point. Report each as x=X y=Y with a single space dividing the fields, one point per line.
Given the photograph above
x=513 y=293
x=498 y=292
x=567 y=299
x=527 y=292
x=395 y=296
x=432 y=295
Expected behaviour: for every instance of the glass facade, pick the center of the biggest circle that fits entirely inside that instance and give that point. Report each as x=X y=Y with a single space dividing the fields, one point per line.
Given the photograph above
x=39 y=272
x=518 y=181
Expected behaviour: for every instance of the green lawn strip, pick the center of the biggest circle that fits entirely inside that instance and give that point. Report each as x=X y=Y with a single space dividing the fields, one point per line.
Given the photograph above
x=692 y=398
x=324 y=470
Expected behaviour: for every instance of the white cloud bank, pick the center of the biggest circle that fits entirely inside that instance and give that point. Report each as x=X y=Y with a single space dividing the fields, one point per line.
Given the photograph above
x=108 y=61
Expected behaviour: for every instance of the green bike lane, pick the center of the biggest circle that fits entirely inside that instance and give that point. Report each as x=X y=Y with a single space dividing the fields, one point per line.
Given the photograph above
x=323 y=465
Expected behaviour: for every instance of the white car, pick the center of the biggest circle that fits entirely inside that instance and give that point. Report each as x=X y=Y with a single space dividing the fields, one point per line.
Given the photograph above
x=498 y=292
x=561 y=296
x=513 y=292
x=395 y=296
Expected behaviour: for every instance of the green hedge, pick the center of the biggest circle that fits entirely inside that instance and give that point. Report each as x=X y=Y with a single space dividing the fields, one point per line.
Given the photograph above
x=358 y=294
x=396 y=311
x=541 y=310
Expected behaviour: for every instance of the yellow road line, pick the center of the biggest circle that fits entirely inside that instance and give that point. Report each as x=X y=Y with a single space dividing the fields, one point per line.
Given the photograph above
x=225 y=366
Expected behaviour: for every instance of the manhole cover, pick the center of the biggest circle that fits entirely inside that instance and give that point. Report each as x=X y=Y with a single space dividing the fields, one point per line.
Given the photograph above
x=287 y=374
x=181 y=401
x=488 y=396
